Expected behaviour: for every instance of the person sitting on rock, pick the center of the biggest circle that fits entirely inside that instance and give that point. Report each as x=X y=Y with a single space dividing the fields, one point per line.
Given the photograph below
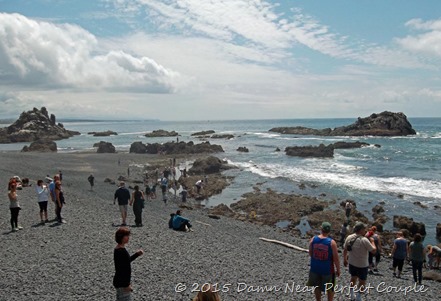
x=180 y=223
x=434 y=255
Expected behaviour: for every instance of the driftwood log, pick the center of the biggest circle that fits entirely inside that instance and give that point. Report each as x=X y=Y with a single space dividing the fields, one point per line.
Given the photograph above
x=284 y=244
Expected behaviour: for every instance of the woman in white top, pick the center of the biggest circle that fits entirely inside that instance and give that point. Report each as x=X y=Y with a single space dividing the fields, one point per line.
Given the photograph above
x=43 y=198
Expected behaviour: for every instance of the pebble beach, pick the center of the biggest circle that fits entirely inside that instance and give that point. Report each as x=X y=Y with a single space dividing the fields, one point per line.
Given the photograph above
x=74 y=261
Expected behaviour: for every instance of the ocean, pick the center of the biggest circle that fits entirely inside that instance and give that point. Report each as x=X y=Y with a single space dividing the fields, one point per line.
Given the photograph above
x=407 y=166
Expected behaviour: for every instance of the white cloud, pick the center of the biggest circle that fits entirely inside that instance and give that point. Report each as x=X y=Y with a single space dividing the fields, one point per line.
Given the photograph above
x=428 y=42
x=67 y=56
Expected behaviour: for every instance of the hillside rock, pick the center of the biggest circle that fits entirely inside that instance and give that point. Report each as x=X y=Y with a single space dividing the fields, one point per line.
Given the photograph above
x=104 y=147
x=41 y=145
x=383 y=124
x=34 y=125
x=162 y=133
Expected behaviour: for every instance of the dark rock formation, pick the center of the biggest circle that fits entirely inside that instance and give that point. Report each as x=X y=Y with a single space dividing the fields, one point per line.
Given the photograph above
x=346 y=145
x=203 y=133
x=41 y=145
x=222 y=209
x=222 y=136
x=104 y=147
x=320 y=151
x=103 y=134
x=162 y=133
x=277 y=149
x=383 y=124
x=208 y=165
x=34 y=125
x=175 y=148
x=243 y=149
x=407 y=223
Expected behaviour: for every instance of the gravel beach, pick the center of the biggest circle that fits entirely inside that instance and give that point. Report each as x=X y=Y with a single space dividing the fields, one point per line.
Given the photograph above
x=74 y=261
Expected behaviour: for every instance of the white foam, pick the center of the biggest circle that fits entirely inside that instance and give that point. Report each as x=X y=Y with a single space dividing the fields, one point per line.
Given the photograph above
x=340 y=174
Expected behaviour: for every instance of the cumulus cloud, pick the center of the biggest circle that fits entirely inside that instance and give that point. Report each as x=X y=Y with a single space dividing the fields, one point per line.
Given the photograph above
x=67 y=56
x=427 y=42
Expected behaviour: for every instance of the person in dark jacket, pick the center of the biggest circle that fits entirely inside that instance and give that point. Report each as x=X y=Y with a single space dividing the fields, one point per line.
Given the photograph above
x=122 y=194
x=123 y=269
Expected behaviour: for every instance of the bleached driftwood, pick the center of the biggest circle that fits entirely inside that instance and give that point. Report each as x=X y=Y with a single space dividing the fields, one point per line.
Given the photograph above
x=284 y=244
x=203 y=223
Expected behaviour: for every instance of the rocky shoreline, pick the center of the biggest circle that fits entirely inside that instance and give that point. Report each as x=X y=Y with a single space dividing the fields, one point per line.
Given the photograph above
x=74 y=261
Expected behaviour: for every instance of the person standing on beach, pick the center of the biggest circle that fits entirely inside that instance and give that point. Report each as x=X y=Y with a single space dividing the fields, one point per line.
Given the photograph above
x=373 y=267
x=164 y=184
x=348 y=208
x=52 y=191
x=137 y=202
x=59 y=201
x=325 y=264
x=91 y=180
x=122 y=194
x=123 y=270
x=417 y=255
x=14 y=207
x=399 y=252
x=43 y=198
x=355 y=254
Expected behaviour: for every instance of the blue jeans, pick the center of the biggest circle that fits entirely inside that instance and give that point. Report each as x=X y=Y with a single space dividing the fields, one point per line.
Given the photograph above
x=417 y=266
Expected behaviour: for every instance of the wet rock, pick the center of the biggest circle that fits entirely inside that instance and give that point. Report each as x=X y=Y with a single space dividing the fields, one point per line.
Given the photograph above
x=138 y=147
x=243 y=149
x=277 y=150
x=347 y=145
x=208 y=165
x=222 y=136
x=162 y=133
x=203 y=133
x=418 y=203
x=41 y=145
x=320 y=151
x=407 y=223
x=103 y=134
x=104 y=147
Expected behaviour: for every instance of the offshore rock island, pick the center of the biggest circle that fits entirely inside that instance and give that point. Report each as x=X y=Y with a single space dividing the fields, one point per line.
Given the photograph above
x=382 y=124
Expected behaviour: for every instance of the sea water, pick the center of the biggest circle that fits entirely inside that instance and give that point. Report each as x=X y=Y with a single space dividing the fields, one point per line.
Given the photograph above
x=402 y=171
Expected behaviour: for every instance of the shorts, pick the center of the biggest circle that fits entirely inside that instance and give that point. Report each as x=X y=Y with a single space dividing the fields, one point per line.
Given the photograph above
x=123 y=208
x=43 y=206
x=324 y=282
x=398 y=263
x=361 y=273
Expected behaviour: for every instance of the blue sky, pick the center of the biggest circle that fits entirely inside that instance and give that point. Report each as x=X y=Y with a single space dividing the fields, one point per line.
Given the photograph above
x=223 y=59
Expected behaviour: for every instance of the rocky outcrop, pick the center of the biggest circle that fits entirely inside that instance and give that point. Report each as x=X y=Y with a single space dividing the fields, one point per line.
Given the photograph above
x=104 y=147
x=222 y=136
x=41 y=145
x=346 y=145
x=103 y=134
x=407 y=223
x=34 y=125
x=209 y=165
x=203 y=133
x=383 y=124
x=175 y=148
x=162 y=133
x=320 y=151
x=243 y=149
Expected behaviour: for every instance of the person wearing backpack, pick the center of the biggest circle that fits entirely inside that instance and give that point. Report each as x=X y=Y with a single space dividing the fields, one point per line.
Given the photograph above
x=356 y=256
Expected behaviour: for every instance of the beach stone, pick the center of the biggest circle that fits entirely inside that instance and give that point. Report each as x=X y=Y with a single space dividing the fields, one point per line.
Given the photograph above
x=41 y=145
x=104 y=147
x=34 y=125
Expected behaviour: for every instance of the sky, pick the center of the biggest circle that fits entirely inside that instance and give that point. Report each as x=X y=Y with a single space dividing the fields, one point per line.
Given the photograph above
x=220 y=59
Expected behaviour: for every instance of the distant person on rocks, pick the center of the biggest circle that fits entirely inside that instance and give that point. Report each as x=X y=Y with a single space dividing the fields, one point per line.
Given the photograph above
x=417 y=255
x=348 y=208
x=434 y=255
x=181 y=223
x=343 y=233
x=137 y=202
x=198 y=185
x=59 y=201
x=355 y=254
x=184 y=194
x=399 y=252
x=123 y=270
x=91 y=180
x=373 y=267
x=60 y=174
x=14 y=207
x=122 y=194
x=43 y=198
x=325 y=264
x=207 y=293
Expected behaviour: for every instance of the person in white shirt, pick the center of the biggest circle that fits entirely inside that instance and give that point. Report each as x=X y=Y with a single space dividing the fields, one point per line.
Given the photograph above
x=43 y=198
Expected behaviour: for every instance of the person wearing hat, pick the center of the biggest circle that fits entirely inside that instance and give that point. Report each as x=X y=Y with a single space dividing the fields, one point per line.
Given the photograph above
x=356 y=255
x=325 y=264
x=122 y=194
